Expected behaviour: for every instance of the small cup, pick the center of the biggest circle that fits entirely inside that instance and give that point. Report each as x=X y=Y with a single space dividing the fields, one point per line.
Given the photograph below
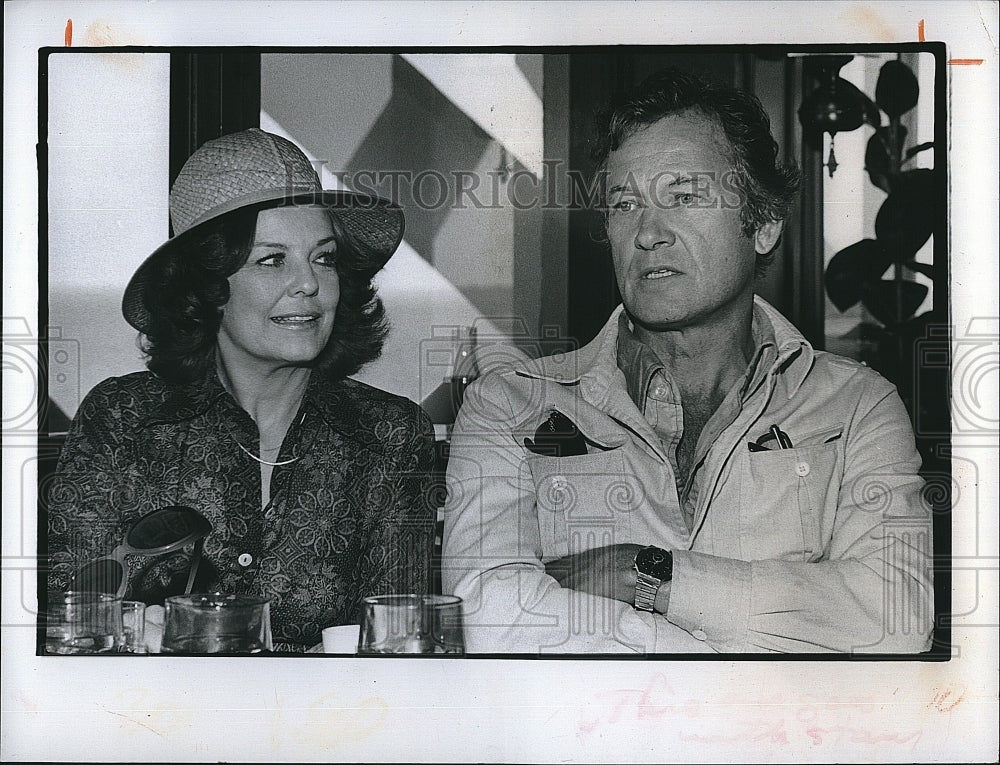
x=83 y=623
x=133 y=626
x=411 y=624
x=155 y=616
x=342 y=639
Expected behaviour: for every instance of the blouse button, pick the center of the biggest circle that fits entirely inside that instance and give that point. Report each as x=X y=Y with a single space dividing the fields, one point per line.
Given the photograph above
x=802 y=469
x=245 y=559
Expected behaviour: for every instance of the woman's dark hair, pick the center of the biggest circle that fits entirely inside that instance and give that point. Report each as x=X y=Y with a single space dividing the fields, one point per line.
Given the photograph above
x=767 y=187
x=185 y=305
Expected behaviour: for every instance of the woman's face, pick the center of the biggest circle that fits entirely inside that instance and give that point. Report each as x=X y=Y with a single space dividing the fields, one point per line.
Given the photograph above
x=283 y=300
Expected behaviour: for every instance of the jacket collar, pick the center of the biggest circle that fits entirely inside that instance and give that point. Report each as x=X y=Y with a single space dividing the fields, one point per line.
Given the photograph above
x=795 y=354
x=330 y=399
x=595 y=367
x=186 y=401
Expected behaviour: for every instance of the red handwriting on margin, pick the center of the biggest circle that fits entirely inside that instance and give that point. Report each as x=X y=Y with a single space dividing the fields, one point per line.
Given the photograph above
x=658 y=700
x=68 y=34
x=920 y=31
x=750 y=721
x=949 y=698
x=633 y=704
x=773 y=732
x=859 y=735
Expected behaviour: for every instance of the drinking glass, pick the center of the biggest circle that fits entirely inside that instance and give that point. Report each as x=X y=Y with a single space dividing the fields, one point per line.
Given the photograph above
x=83 y=623
x=133 y=626
x=216 y=623
x=411 y=624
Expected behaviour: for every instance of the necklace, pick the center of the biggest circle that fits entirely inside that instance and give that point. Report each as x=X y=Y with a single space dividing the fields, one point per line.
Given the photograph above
x=265 y=462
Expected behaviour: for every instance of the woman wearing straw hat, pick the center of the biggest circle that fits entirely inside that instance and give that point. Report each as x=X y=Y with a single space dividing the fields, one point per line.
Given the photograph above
x=252 y=317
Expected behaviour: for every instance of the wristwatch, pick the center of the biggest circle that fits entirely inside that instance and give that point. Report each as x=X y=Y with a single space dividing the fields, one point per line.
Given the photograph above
x=654 y=565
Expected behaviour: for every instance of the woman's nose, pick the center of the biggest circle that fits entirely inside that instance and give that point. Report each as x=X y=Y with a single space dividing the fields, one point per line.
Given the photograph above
x=654 y=230
x=304 y=281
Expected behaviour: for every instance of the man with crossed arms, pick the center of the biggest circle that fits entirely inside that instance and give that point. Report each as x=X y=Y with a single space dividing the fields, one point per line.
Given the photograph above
x=698 y=477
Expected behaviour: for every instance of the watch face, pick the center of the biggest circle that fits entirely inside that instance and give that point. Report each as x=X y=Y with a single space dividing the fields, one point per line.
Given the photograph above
x=656 y=562
x=652 y=556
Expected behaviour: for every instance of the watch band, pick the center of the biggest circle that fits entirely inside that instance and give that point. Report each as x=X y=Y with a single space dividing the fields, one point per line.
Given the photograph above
x=645 y=591
x=653 y=567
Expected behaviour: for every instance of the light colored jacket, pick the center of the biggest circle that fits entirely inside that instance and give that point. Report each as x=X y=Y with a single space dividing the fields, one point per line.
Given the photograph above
x=822 y=547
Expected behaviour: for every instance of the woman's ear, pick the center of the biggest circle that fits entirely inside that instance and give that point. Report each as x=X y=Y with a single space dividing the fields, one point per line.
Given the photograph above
x=767 y=236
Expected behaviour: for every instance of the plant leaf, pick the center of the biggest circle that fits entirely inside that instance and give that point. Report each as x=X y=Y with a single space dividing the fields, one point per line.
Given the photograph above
x=906 y=219
x=919 y=327
x=878 y=152
x=927 y=269
x=863 y=262
x=880 y=299
x=868 y=107
x=877 y=161
x=897 y=90
x=914 y=150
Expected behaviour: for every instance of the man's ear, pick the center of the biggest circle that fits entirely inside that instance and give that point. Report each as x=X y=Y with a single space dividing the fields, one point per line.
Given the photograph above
x=767 y=236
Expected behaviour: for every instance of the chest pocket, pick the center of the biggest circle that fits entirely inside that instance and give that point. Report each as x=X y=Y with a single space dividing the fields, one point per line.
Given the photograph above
x=788 y=500
x=583 y=502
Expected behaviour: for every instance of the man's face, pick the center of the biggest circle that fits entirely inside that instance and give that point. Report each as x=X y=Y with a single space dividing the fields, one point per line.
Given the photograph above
x=681 y=258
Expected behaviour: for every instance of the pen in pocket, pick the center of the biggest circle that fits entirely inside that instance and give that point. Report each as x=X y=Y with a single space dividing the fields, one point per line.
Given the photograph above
x=775 y=434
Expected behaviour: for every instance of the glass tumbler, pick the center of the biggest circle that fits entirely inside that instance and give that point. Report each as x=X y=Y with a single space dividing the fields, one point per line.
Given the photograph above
x=411 y=624
x=134 y=626
x=216 y=623
x=83 y=623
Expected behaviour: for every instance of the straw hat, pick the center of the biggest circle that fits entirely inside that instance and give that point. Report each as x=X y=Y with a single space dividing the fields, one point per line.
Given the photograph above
x=253 y=167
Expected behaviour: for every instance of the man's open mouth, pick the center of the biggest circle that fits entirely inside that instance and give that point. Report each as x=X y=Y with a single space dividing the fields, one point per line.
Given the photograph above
x=660 y=273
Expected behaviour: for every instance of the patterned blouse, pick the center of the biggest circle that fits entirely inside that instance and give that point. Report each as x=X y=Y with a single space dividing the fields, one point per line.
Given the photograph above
x=351 y=516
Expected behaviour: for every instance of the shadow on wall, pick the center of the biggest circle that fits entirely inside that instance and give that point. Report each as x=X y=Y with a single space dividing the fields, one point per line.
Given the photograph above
x=422 y=134
x=376 y=118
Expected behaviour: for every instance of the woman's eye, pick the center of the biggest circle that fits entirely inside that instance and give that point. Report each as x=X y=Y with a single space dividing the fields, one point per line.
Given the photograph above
x=328 y=258
x=685 y=199
x=271 y=259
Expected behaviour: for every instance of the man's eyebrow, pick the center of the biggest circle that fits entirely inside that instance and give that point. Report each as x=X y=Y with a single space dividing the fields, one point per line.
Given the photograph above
x=680 y=180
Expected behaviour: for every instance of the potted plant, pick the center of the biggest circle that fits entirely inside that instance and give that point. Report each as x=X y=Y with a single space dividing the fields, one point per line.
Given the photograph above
x=904 y=223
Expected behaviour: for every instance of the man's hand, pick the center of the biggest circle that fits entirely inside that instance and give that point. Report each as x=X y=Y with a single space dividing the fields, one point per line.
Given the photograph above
x=605 y=571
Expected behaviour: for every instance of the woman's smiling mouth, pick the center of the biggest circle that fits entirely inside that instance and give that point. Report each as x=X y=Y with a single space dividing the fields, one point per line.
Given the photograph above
x=295 y=320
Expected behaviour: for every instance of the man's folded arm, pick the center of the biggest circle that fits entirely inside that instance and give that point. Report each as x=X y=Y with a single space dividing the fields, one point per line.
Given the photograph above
x=493 y=554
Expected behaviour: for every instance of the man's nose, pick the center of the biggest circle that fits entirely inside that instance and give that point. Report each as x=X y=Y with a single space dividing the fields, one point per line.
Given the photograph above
x=654 y=230
x=303 y=279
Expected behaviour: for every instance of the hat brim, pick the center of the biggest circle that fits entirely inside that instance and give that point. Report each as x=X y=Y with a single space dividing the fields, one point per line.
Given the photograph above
x=374 y=221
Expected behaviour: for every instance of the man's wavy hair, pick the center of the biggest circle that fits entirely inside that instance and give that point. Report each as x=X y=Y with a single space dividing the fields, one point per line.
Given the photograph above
x=185 y=303
x=766 y=186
